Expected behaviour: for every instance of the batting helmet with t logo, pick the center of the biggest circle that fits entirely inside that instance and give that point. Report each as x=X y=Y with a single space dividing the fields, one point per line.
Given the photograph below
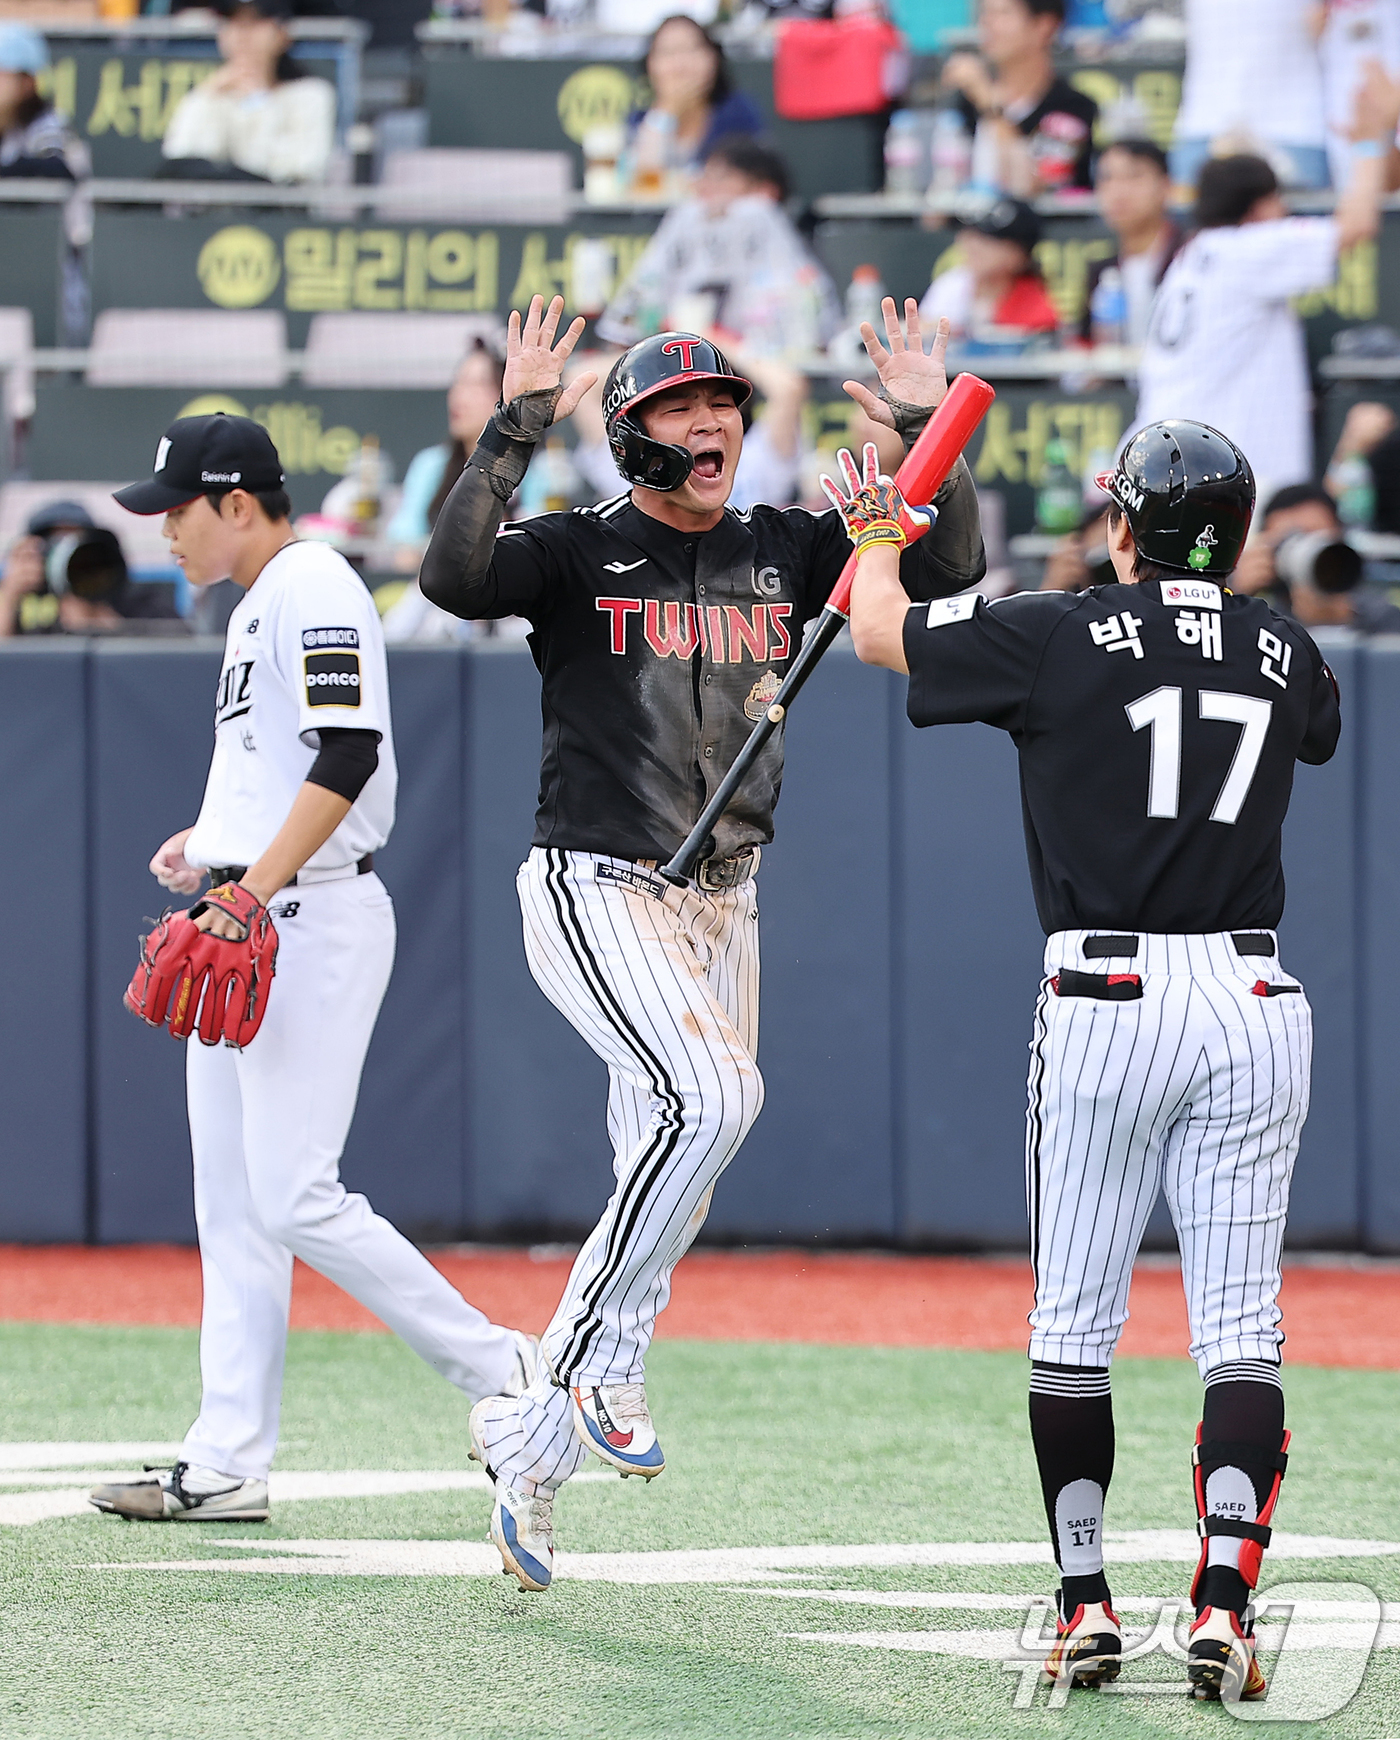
x=656 y=364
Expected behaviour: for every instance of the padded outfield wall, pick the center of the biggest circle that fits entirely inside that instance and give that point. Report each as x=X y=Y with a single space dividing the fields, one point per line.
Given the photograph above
x=901 y=958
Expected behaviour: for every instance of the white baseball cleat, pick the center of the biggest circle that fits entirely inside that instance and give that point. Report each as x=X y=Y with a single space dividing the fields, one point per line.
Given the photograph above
x=527 y=1363
x=1088 y=1647
x=522 y=1524
x=185 y=1493
x=614 y=1422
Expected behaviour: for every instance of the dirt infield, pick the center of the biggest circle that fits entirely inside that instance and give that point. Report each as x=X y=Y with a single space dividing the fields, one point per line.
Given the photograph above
x=1342 y=1315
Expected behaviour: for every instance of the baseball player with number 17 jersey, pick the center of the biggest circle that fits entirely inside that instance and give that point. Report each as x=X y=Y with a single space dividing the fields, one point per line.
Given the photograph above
x=300 y=796
x=1158 y=721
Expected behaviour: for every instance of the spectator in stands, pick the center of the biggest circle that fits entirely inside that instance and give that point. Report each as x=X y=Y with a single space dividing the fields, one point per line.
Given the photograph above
x=67 y=575
x=731 y=259
x=692 y=106
x=34 y=138
x=995 y=293
x=1356 y=32
x=1032 y=130
x=256 y=118
x=1133 y=184
x=1331 y=594
x=472 y=397
x=1224 y=345
x=1253 y=77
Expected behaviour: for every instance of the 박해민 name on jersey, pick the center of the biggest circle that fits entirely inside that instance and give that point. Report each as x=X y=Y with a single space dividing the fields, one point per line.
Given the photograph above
x=331 y=665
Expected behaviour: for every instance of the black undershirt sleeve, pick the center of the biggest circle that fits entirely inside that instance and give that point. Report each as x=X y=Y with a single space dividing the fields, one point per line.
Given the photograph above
x=346 y=760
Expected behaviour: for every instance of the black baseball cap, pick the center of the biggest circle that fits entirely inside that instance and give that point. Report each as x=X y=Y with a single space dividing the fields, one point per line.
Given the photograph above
x=206 y=456
x=1008 y=220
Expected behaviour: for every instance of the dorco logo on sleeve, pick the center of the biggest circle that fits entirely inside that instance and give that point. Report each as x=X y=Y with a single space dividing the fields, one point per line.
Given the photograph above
x=332 y=676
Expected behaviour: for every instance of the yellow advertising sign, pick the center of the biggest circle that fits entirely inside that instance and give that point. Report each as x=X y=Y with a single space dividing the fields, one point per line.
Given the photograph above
x=304 y=447
x=596 y=96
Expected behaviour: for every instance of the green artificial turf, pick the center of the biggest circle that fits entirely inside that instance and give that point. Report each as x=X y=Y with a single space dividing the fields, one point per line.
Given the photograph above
x=766 y=1445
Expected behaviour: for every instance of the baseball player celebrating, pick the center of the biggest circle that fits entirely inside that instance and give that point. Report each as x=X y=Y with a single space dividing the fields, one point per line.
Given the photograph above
x=300 y=796
x=1158 y=720
x=663 y=623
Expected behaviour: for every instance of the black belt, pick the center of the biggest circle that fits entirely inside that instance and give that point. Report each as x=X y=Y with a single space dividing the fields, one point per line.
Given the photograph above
x=221 y=873
x=1247 y=942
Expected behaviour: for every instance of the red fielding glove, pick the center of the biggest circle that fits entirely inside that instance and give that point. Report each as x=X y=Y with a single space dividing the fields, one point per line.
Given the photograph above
x=191 y=980
x=874 y=512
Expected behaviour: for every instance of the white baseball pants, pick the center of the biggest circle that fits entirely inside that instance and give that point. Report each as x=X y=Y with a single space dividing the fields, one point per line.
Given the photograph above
x=663 y=984
x=1199 y=1087
x=267 y=1126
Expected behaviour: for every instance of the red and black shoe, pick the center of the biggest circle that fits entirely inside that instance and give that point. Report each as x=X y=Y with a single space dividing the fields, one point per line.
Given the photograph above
x=1220 y=1659
x=1088 y=1647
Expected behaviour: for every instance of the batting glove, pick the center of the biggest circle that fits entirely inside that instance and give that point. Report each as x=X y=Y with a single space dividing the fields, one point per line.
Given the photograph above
x=874 y=512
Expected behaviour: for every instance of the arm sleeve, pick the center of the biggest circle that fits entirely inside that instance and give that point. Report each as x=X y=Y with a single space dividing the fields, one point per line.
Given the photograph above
x=346 y=760
x=467 y=570
x=970 y=661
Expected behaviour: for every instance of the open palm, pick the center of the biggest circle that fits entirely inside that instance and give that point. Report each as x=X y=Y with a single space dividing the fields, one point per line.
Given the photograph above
x=906 y=372
x=535 y=363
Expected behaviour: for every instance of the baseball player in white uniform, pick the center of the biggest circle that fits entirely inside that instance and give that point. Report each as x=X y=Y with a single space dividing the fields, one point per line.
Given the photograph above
x=300 y=796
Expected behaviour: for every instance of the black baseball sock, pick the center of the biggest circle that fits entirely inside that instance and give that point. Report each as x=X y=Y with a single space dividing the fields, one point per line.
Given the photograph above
x=1072 y=1430
x=1243 y=1406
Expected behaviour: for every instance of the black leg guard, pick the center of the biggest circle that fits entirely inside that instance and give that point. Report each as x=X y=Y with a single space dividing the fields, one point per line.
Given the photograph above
x=1240 y=1454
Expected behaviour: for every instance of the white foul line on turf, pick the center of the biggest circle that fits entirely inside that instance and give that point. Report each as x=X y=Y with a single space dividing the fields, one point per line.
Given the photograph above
x=731 y=1565
x=18 y=1509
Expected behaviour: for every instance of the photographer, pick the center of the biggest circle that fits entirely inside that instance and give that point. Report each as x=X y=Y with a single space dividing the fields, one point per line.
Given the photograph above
x=67 y=575
x=1300 y=561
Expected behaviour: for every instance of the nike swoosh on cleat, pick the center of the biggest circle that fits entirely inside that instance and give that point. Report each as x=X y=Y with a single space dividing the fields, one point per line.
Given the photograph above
x=618 y=1440
x=621 y=567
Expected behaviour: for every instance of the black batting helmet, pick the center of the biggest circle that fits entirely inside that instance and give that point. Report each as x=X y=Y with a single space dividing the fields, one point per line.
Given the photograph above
x=1188 y=493
x=666 y=359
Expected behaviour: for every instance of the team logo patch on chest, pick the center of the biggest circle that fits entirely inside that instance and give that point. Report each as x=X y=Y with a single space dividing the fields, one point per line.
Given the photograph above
x=762 y=695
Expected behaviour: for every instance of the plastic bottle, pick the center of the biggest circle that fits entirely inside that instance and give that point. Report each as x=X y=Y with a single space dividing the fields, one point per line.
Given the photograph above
x=906 y=170
x=1108 y=308
x=1355 y=489
x=1057 y=502
x=368 y=484
x=951 y=150
x=864 y=294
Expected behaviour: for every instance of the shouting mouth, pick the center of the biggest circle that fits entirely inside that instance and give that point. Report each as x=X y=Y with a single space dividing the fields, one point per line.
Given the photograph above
x=709 y=464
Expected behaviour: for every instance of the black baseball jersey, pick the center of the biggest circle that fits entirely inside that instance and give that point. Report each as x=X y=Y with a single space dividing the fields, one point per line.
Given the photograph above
x=1157 y=727
x=659 y=651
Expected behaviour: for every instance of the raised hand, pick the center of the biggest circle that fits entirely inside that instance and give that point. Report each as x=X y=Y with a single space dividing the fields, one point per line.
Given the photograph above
x=905 y=371
x=535 y=363
x=871 y=507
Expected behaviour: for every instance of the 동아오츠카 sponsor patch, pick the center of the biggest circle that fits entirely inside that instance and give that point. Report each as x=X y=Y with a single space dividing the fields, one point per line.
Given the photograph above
x=332 y=679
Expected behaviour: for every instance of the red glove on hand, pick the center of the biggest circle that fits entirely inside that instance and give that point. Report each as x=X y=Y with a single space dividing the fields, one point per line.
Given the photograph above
x=187 y=974
x=874 y=512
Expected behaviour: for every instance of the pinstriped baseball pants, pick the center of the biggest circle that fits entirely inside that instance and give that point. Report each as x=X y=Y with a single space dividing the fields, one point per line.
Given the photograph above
x=1201 y=1087
x=663 y=984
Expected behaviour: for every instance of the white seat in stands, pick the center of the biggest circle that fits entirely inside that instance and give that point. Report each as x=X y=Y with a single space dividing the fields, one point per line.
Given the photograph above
x=438 y=183
x=188 y=347
x=392 y=350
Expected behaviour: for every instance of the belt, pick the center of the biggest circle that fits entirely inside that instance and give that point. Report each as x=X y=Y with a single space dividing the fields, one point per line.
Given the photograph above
x=221 y=873
x=1247 y=942
x=727 y=872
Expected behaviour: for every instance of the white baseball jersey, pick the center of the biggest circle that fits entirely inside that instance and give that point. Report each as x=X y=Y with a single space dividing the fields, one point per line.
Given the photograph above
x=1224 y=347
x=305 y=649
